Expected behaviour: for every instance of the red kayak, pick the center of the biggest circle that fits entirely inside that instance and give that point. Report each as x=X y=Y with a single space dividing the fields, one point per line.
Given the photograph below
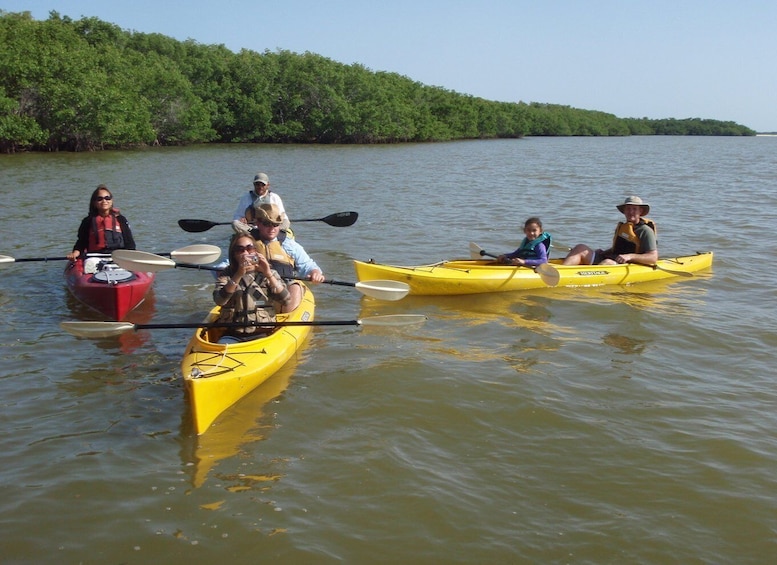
x=102 y=285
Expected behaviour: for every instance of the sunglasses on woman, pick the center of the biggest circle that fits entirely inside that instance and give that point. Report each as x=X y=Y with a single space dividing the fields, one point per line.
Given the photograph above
x=101 y=198
x=241 y=248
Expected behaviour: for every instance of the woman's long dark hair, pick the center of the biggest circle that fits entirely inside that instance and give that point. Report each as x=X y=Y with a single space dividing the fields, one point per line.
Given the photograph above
x=92 y=207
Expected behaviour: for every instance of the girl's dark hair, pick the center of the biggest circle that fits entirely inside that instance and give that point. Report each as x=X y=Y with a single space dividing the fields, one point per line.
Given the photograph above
x=533 y=220
x=92 y=208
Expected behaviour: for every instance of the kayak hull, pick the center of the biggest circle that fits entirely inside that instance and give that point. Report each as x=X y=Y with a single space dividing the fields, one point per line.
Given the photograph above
x=216 y=375
x=467 y=276
x=110 y=290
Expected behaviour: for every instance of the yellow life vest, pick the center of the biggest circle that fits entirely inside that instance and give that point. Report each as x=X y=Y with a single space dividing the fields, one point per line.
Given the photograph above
x=277 y=257
x=626 y=239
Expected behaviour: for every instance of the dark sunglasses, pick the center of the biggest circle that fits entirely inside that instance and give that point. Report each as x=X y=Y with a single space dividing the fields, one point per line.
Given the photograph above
x=269 y=224
x=241 y=248
x=101 y=198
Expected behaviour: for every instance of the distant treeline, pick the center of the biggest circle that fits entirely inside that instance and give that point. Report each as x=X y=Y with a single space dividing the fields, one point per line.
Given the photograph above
x=86 y=84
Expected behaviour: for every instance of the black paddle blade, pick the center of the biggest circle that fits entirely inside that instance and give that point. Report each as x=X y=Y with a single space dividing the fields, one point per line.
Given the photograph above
x=338 y=220
x=342 y=219
x=196 y=226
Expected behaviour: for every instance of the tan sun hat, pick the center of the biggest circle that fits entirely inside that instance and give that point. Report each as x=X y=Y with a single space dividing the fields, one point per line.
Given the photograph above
x=261 y=177
x=269 y=213
x=635 y=201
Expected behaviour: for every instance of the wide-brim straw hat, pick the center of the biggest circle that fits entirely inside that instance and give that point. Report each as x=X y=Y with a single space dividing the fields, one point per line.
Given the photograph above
x=269 y=213
x=635 y=201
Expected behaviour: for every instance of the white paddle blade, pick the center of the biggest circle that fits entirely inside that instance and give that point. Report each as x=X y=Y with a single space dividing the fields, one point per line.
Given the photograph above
x=393 y=320
x=475 y=251
x=96 y=329
x=383 y=290
x=198 y=254
x=6 y=260
x=141 y=261
x=548 y=273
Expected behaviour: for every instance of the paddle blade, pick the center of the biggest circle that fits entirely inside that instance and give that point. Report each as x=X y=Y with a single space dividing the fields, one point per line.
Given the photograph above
x=96 y=329
x=383 y=290
x=6 y=260
x=338 y=220
x=477 y=252
x=393 y=320
x=196 y=226
x=141 y=261
x=548 y=273
x=198 y=254
x=342 y=219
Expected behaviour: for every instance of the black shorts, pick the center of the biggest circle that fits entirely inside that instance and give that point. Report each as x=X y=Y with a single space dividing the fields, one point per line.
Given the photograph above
x=599 y=258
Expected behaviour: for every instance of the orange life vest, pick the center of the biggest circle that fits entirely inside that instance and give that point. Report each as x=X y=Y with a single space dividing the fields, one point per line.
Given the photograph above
x=626 y=239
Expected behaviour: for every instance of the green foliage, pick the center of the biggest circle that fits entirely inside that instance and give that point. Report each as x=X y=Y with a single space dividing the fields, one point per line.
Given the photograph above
x=86 y=84
x=689 y=126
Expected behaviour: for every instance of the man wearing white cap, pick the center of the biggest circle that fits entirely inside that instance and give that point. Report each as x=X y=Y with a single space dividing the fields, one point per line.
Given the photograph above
x=634 y=240
x=260 y=194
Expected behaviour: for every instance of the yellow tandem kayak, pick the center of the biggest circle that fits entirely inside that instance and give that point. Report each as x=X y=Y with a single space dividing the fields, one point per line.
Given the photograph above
x=465 y=276
x=217 y=375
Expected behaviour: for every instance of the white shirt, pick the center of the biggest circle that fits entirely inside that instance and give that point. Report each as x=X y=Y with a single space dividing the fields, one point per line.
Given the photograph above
x=250 y=199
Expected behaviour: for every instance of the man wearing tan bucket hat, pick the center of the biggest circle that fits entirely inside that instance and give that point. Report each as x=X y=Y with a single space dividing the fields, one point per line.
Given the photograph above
x=634 y=240
x=285 y=255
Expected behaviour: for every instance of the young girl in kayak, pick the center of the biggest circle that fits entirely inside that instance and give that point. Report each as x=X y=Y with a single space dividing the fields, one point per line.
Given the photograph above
x=104 y=229
x=534 y=248
x=249 y=291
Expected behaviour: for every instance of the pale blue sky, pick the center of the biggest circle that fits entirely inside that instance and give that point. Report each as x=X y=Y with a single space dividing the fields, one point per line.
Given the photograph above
x=652 y=58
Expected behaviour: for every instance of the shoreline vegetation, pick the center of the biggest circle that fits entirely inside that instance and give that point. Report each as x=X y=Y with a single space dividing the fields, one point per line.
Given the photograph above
x=88 y=85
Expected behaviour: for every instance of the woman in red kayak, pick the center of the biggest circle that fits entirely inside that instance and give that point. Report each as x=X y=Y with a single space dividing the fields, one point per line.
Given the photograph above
x=104 y=229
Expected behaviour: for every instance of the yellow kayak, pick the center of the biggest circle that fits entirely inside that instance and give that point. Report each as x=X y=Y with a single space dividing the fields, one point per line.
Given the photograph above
x=474 y=276
x=217 y=375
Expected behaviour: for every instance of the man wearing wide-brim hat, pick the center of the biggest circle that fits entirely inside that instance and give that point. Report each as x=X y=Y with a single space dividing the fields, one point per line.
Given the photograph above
x=285 y=255
x=634 y=240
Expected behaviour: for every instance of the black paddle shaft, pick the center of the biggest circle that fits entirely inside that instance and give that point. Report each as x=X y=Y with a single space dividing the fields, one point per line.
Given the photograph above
x=42 y=259
x=337 y=220
x=196 y=325
x=209 y=268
